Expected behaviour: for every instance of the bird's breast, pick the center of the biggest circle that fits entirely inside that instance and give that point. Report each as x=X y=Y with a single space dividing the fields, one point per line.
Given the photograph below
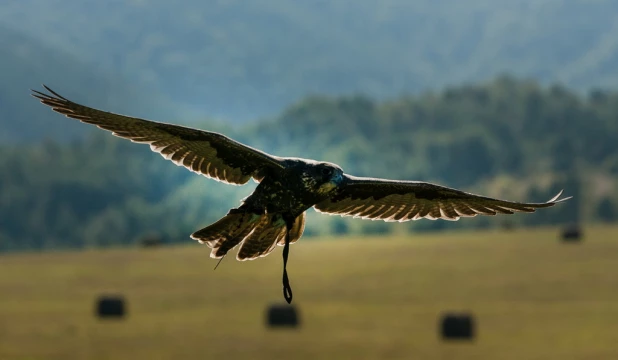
x=292 y=195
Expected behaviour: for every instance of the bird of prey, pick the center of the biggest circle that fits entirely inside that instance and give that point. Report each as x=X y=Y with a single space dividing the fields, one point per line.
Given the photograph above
x=274 y=214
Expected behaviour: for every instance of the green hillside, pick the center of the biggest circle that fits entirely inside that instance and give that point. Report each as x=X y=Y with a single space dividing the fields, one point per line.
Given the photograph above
x=362 y=298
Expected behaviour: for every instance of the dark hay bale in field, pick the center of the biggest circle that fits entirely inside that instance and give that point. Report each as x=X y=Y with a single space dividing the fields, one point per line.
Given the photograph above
x=282 y=315
x=572 y=233
x=110 y=306
x=150 y=241
x=457 y=326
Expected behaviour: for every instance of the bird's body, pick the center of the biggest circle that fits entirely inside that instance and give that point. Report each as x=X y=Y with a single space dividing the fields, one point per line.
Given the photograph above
x=274 y=214
x=301 y=184
x=278 y=203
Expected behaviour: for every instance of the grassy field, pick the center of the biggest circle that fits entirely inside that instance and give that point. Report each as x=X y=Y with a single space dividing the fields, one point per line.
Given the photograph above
x=367 y=298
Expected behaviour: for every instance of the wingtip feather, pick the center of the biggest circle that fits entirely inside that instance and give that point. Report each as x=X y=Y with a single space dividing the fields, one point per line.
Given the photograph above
x=562 y=200
x=53 y=92
x=44 y=96
x=556 y=199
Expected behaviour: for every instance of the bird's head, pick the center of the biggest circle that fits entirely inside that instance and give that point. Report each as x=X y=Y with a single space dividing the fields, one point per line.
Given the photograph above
x=328 y=176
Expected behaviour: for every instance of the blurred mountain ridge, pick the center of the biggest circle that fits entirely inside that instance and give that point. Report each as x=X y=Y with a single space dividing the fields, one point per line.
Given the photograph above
x=243 y=61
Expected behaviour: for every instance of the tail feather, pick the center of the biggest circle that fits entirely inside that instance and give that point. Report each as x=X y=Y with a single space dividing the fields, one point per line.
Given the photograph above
x=257 y=234
x=263 y=240
x=226 y=244
x=227 y=233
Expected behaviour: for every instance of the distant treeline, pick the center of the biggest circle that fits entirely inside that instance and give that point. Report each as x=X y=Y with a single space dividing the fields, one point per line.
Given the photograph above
x=509 y=138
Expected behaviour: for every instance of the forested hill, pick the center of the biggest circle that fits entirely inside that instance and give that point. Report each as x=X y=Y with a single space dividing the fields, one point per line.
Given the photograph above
x=242 y=60
x=458 y=135
x=508 y=138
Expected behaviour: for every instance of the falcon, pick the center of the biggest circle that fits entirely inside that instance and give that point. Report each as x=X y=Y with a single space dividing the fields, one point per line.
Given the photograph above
x=274 y=214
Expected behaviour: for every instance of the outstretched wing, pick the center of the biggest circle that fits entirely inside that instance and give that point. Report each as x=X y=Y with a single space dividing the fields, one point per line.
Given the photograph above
x=392 y=200
x=210 y=154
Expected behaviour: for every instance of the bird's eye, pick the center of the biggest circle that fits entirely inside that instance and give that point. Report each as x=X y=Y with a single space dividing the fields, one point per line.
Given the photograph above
x=327 y=171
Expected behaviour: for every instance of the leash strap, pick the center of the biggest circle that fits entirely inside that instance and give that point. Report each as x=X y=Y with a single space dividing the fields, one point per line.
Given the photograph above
x=287 y=289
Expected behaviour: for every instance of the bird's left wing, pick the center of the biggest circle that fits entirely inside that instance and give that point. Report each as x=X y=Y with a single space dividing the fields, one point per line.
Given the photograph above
x=392 y=200
x=211 y=154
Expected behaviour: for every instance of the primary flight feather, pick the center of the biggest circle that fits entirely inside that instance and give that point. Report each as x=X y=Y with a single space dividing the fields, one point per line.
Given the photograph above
x=274 y=214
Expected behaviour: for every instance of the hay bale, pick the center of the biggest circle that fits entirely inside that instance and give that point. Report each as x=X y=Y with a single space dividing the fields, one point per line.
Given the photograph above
x=571 y=234
x=457 y=326
x=282 y=315
x=110 y=306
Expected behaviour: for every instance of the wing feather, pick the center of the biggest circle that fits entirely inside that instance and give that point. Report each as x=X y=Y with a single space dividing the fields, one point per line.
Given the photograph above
x=391 y=200
x=208 y=153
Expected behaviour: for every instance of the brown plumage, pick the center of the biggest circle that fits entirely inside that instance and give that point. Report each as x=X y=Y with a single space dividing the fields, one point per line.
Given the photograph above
x=257 y=234
x=391 y=200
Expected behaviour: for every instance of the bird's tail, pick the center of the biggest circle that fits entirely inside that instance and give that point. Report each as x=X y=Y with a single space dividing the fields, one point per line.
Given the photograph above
x=257 y=234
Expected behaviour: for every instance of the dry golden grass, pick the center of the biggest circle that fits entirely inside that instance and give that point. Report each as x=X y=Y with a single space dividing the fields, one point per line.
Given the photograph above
x=366 y=298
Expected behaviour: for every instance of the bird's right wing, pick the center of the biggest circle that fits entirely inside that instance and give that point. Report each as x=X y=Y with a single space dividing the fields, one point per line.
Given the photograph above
x=208 y=153
x=392 y=200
